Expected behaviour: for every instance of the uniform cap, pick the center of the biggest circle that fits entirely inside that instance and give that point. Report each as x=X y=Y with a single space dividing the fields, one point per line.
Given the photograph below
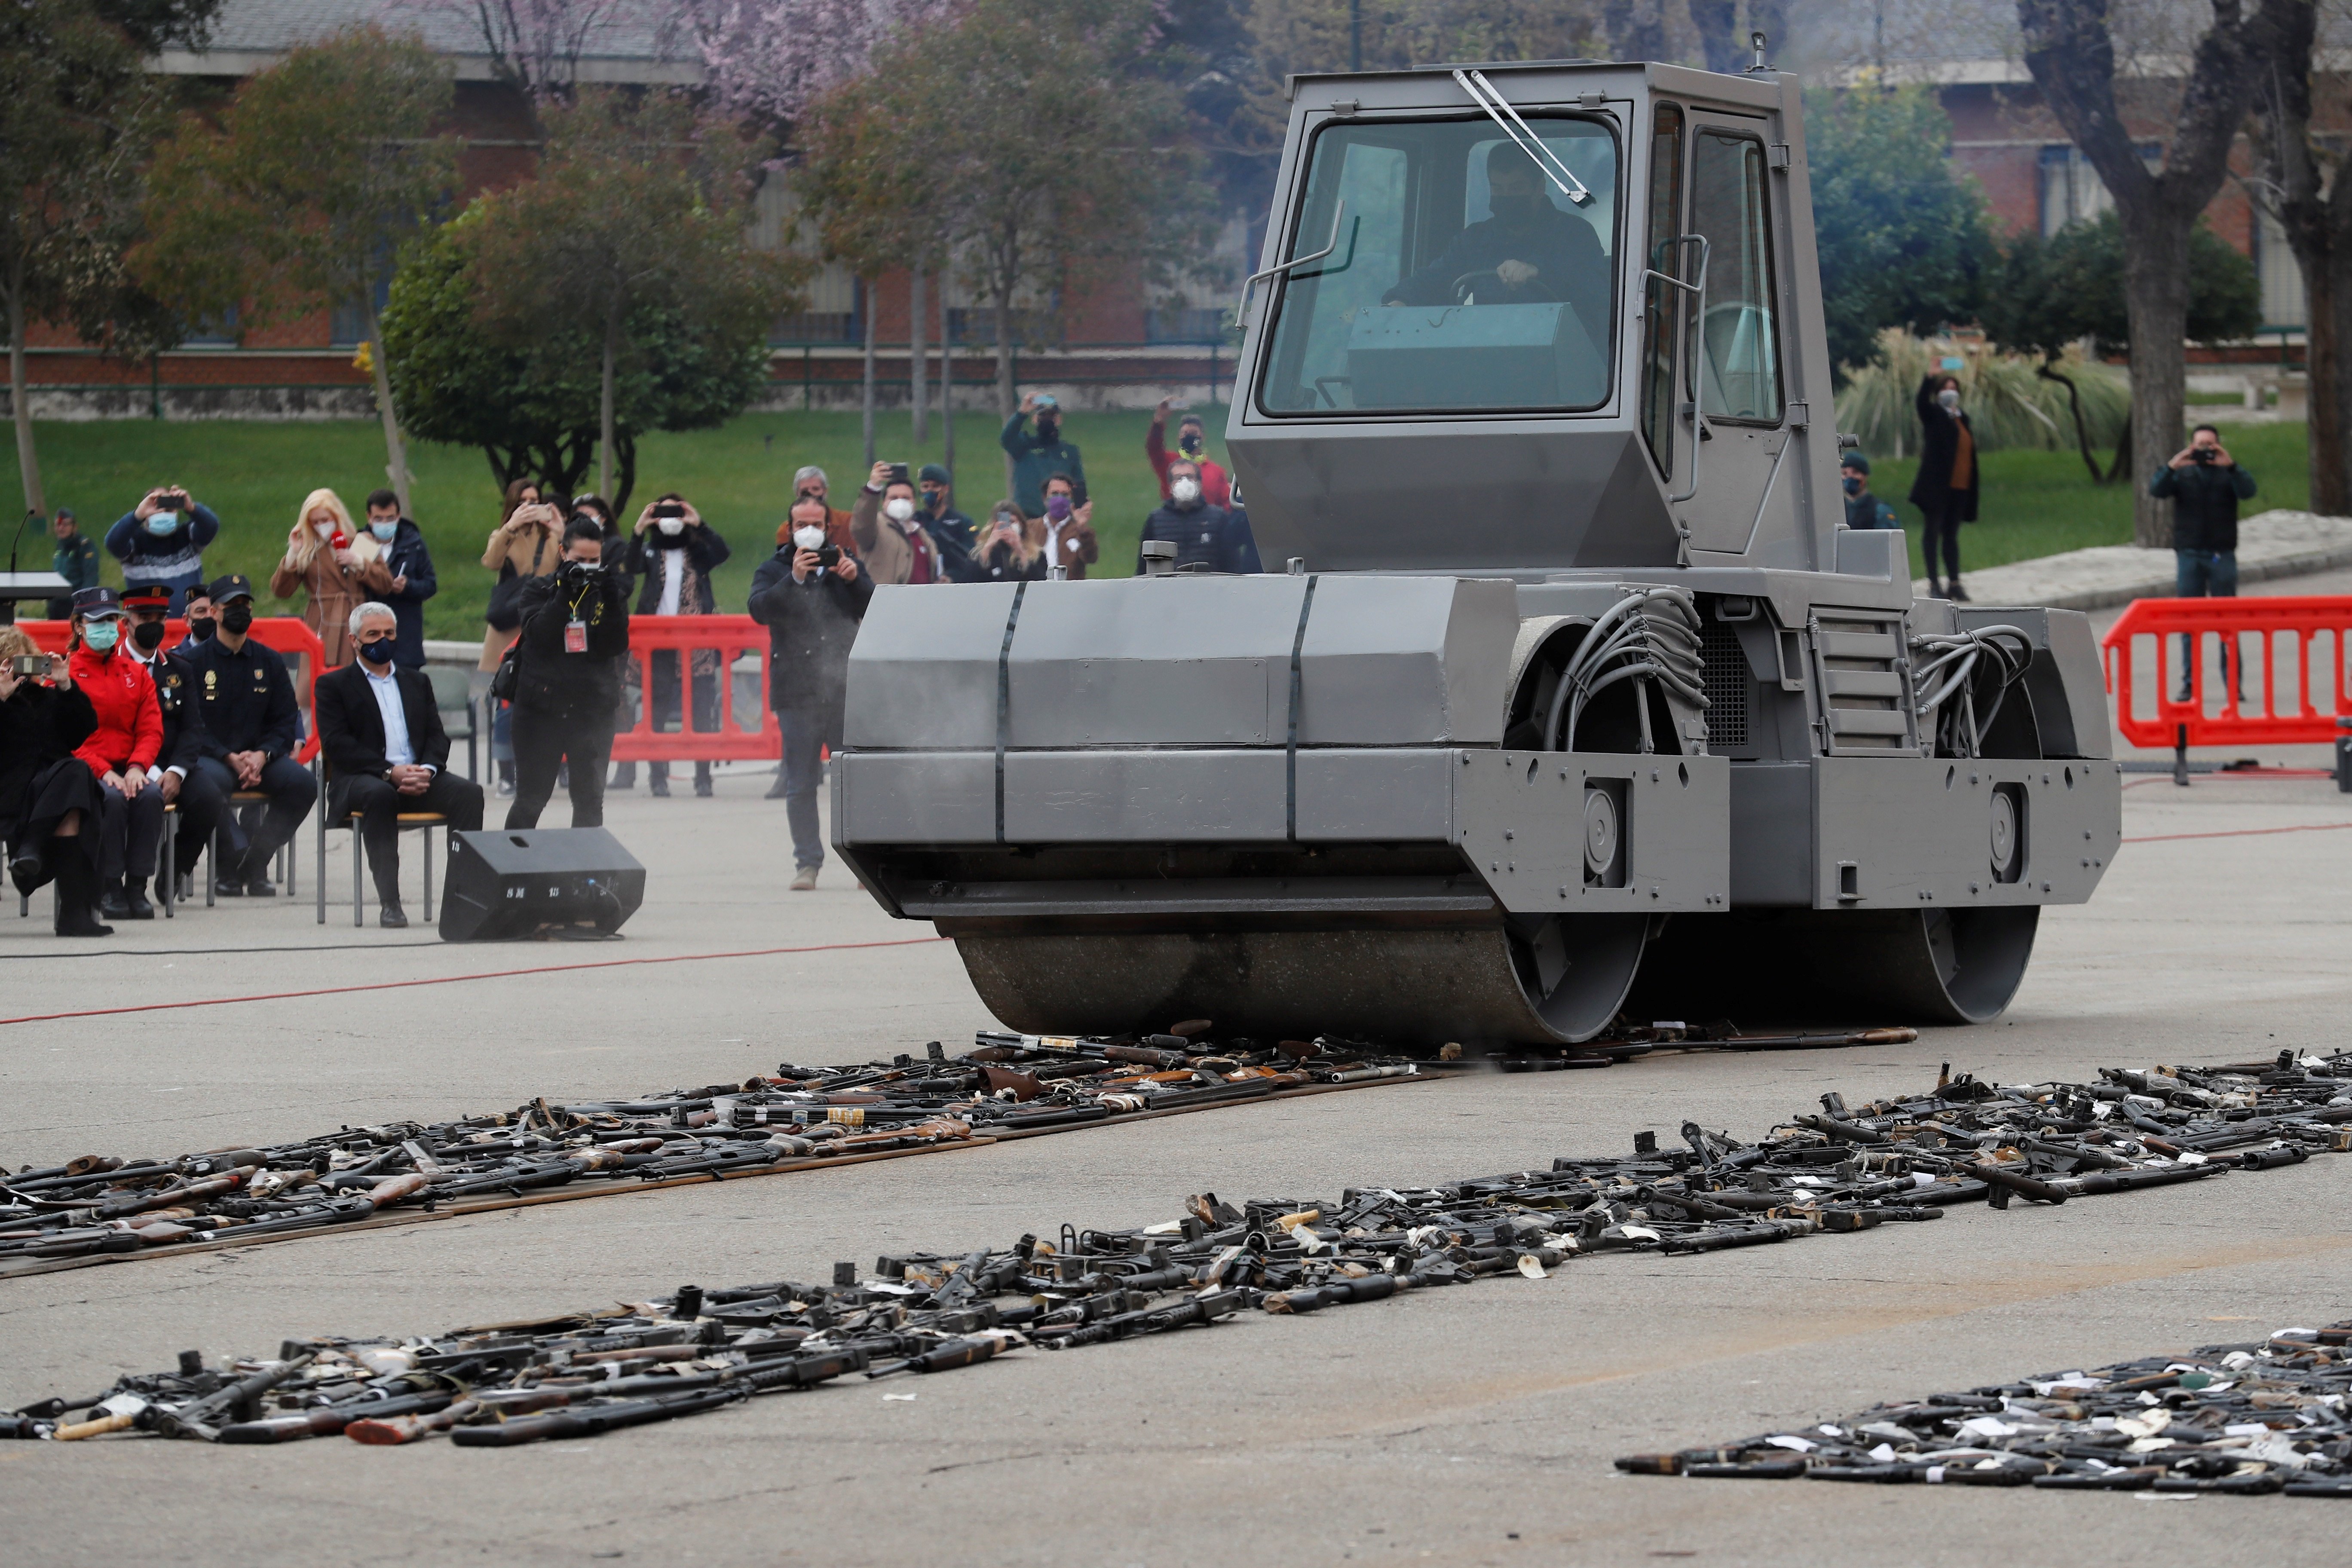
x=146 y=597
x=93 y=603
x=232 y=585
x=1856 y=461
x=935 y=473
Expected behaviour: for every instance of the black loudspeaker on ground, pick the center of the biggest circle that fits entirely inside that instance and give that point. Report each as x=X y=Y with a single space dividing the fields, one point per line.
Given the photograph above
x=503 y=883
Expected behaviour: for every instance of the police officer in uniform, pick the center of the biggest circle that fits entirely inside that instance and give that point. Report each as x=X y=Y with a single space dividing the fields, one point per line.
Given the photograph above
x=1207 y=538
x=248 y=727
x=150 y=605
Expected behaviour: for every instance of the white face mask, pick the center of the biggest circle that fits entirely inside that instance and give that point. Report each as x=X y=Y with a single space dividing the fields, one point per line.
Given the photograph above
x=1186 y=490
x=899 y=508
x=672 y=526
x=324 y=530
x=808 y=536
x=1950 y=399
x=383 y=531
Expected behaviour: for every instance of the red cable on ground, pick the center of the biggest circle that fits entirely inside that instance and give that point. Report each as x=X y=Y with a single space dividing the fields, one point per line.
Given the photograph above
x=451 y=979
x=2239 y=833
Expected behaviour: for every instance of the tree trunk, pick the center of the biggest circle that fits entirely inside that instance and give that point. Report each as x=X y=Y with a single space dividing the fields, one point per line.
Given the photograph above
x=2325 y=288
x=918 y=359
x=395 y=455
x=605 y=401
x=867 y=390
x=1005 y=403
x=947 y=378
x=2156 y=307
x=627 y=443
x=2074 y=401
x=28 y=459
x=2119 y=471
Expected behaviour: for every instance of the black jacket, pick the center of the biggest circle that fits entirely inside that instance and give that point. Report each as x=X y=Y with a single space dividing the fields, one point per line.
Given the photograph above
x=351 y=726
x=1209 y=537
x=573 y=685
x=2205 y=498
x=956 y=537
x=39 y=726
x=1939 y=447
x=810 y=627
x=704 y=550
x=175 y=700
x=407 y=556
x=244 y=701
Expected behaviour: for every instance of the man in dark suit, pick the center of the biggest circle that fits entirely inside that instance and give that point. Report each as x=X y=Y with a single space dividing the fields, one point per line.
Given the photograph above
x=247 y=729
x=379 y=731
x=150 y=605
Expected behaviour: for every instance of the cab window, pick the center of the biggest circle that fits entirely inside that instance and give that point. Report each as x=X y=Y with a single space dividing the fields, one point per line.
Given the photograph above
x=1464 y=278
x=1740 y=370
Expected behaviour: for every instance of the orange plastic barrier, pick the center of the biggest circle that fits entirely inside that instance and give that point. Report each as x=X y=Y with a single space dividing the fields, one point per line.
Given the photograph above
x=727 y=636
x=286 y=634
x=2279 y=654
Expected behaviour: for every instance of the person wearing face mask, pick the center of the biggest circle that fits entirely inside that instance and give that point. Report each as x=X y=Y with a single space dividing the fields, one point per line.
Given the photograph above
x=401 y=575
x=1191 y=444
x=810 y=596
x=74 y=560
x=810 y=484
x=575 y=627
x=247 y=729
x=1945 y=490
x=527 y=543
x=1863 y=510
x=162 y=539
x=1527 y=251
x=617 y=565
x=1013 y=550
x=199 y=620
x=950 y=529
x=673 y=555
x=148 y=607
x=1069 y=540
x=334 y=564
x=1036 y=457
x=1206 y=536
x=118 y=752
x=893 y=545
x=380 y=734
x=47 y=796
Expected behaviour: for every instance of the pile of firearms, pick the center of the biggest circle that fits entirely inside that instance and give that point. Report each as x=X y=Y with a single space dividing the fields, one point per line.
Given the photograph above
x=1007 y=1086
x=1849 y=1169
x=2268 y=1415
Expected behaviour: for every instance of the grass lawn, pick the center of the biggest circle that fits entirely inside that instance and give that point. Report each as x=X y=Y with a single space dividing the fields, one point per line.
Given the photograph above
x=2039 y=503
x=254 y=473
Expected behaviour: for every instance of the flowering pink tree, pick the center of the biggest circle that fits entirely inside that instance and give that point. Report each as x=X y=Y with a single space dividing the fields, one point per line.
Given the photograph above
x=769 y=58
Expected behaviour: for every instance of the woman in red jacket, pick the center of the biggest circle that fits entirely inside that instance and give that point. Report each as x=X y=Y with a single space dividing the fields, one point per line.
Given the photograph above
x=118 y=753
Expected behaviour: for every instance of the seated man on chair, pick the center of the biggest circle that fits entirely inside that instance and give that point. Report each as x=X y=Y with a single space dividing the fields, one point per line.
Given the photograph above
x=149 y=604
x=247 y=729
x=386 y=753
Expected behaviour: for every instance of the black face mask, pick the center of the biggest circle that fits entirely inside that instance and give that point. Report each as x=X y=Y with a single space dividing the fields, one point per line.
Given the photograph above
x=1189 y=444
x=1048 y=430
x=148 y=635
x=200 y=629
x=378 y=651
x=236 y=620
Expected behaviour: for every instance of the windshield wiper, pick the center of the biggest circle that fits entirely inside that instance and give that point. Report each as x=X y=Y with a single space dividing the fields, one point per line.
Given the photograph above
x=1483 y=93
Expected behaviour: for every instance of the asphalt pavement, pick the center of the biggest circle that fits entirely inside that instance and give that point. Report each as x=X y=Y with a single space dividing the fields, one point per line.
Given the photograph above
x=1474 y=1424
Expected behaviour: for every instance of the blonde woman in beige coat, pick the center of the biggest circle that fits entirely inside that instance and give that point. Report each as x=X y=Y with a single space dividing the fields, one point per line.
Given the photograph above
x=338 y=564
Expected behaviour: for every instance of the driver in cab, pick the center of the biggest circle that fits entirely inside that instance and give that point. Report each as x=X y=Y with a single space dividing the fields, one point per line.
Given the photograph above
x=1529 y=252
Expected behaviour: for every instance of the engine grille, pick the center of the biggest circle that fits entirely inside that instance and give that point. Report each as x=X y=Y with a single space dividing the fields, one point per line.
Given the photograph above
x=1726 y=687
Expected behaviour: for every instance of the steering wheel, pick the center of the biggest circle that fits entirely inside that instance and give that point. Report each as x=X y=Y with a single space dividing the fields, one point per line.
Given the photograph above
x=1461 y=295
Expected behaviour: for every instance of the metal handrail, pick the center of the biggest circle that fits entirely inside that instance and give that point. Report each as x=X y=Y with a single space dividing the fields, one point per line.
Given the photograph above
x=1699 y=349
x=1338 y=214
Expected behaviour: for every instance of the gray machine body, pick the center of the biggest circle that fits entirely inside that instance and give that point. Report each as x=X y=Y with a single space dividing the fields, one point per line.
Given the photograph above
x=1313 y=802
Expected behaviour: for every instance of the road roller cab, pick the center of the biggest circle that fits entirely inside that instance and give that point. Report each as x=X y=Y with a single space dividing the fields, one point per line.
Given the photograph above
x=1577 y=689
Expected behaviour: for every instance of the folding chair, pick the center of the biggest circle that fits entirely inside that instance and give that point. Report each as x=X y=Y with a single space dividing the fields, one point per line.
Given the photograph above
x=284 y=863
x=453 y=693
x=410 y=822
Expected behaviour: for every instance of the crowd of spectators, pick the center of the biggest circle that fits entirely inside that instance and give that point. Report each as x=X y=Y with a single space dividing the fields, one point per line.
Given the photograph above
x=97 y=744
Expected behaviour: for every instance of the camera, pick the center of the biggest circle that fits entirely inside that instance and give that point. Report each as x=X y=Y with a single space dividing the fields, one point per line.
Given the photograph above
x=898 y=474
x=177 y=500
x=828 y=556
x=2200 y=454
x=24 y=666
x=669 y=509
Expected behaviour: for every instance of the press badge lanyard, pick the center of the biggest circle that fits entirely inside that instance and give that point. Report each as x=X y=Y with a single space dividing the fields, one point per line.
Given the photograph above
x=575 y=630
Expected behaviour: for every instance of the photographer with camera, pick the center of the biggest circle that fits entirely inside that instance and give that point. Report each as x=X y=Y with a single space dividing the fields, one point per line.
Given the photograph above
x=673 y=555
x=566 y=677
x=895 y=547
x=2205 y=485
x=810 y=596
x=162 y=540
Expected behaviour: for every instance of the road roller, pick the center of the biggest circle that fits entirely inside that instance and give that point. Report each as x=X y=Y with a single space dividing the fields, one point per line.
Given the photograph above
x=1568 y=697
